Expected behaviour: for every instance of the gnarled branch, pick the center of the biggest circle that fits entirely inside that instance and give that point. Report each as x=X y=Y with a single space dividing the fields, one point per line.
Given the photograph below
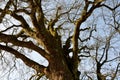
x=27 y=61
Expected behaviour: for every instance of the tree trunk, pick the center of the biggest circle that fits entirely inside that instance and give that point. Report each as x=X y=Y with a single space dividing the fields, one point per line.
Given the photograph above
x=99 y=75
x=58 y=69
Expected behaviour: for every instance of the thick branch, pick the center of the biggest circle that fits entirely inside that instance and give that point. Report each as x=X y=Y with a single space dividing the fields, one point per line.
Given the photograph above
x=37 y=8
x=23 y=23
x=12 y=39
x=22 y=10
x=27 y=61
x=84 y=16
x=21 y=19
x=37 y=20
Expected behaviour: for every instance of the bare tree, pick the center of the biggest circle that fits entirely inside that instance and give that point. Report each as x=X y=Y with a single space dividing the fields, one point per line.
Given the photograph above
x=54 y=30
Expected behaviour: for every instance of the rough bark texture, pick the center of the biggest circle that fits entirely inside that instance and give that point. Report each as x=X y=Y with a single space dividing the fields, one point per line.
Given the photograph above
x=58 y=70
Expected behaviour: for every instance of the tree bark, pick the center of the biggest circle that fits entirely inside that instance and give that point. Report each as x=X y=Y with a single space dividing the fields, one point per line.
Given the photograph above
x=99 y=74
x=59 y=71
x=58 y=68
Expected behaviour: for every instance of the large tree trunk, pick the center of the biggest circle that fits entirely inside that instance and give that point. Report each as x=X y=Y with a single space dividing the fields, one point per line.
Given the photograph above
x=58 y=69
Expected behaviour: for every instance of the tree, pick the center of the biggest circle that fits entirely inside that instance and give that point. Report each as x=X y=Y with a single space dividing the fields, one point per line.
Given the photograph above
x=54 y=29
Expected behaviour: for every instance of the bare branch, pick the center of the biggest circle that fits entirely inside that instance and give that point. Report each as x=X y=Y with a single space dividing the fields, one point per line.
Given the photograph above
x=10 y=27
x=107 y=47
x=88 y=38
x=113 y=78
x=22 y=20
x=12 y=39
x=113 y=59
x=110 y=8
x=22 y=10
x=27 y=61
x=5 y=10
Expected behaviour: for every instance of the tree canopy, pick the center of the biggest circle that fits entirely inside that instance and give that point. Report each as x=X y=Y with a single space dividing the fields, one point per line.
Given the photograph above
x=78 y=38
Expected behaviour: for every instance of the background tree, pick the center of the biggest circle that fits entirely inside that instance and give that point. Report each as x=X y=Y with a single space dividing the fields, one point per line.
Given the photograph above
x=67 y=33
